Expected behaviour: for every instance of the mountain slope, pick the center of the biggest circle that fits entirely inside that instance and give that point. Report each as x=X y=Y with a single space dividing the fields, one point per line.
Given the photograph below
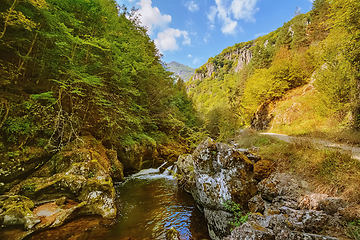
x=183 y=71
x=239 y=86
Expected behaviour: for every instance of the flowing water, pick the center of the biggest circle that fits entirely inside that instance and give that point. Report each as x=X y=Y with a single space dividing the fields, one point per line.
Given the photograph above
x=152 y=203
x=149 y=204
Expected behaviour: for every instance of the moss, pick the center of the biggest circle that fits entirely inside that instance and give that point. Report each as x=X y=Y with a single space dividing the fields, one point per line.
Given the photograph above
x=28 y=189
x=21 y=201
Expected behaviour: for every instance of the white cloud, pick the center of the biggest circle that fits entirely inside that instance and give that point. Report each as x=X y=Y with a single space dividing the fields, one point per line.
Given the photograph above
x=158 y=23
x=228 y=11
x=166 y=40
x=192 y=6
x=189 y=56
x=196 y=61
x=207 y=37
x=151 y=17
x=244 y=9
x=211 y=16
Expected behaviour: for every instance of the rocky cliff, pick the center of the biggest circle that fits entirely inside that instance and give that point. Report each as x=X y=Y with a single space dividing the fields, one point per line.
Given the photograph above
x=239 y=58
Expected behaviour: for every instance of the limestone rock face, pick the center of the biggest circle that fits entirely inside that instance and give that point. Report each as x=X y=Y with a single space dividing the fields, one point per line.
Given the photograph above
x=278 y=212
x=240 y=56
x=245 y=55
x=282 y=204
x=256 y=204
x=220 y=173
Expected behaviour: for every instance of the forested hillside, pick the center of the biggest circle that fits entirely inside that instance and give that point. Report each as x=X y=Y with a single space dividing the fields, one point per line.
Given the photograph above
x=69 y=67
x=319 y=49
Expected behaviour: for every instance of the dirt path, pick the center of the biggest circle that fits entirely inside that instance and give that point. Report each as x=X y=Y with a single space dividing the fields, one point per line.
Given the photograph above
x=355 y=151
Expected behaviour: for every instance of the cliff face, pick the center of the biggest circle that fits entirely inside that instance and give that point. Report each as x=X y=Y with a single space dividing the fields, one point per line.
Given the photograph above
x=239 y=57
x=245 y=55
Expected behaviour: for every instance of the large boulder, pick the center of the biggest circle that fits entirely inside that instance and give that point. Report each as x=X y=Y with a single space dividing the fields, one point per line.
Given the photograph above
x=216 y=173
x=79 y=179
x=251 y=231
x=281 y=184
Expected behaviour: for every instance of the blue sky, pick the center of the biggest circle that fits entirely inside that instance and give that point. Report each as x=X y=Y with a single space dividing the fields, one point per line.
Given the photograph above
x=191 y=31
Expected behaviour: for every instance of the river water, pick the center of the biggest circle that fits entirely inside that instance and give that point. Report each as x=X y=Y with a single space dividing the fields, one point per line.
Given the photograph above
x=149 y=204
x=152 y=203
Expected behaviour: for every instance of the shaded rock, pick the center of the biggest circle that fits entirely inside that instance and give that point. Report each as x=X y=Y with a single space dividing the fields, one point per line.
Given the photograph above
x=256 y=204
x=263 y=116
x=172 y=234
x=218 y=223
x=19 y=164
x=133 y=158
x=185 y=166
x=263 y=169
x=117 y=169
x=331 y=205
x=251 y=231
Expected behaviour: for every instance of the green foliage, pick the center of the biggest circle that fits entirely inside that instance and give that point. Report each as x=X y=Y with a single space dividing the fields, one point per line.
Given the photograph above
x=91 y=174
x=235 y=209
x=85 y=65
x=287 y=72
x=44 y=96
x=353 y=230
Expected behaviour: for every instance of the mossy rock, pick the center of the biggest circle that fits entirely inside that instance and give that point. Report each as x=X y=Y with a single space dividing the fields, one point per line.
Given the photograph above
x=263 y=169
x=19 y=164
x=17 y=211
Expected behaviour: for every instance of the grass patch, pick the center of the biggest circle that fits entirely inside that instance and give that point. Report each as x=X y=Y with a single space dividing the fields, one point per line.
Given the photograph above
x=353 y=230
x=328 y=171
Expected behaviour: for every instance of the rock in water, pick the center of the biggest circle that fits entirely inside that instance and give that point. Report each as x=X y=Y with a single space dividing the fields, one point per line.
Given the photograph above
x=215 y=173
x=172 y=234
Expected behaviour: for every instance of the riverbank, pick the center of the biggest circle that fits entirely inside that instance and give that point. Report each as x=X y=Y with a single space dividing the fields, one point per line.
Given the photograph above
x=289 y=191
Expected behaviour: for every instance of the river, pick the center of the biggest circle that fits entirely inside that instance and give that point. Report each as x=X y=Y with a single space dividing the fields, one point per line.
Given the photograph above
x=149 y=204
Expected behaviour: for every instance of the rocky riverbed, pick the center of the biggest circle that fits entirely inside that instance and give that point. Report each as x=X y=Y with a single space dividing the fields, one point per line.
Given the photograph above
x=78 y=181
x=279 y=205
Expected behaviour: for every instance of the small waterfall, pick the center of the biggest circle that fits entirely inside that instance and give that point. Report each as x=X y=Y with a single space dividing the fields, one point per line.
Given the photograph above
x=155 y=173
x=170 y=171
x=162 y=165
